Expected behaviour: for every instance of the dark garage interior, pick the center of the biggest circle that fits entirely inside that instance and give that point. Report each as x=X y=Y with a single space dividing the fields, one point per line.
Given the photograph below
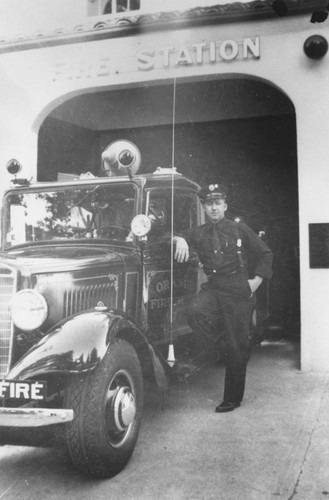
x=238 y=131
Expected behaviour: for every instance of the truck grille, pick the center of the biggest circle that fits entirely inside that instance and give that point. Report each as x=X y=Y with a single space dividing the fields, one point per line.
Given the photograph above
x=87 y=297
x=7 y=287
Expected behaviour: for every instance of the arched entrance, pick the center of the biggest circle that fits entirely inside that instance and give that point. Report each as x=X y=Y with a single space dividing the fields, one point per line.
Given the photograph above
x=234 y=129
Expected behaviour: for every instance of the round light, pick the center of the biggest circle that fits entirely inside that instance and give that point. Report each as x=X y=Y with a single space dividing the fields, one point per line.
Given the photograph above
x=28 y=309
x=13 y=167
x=126 y=158
x=141 y=225
x=120 y=157
x=316 y=46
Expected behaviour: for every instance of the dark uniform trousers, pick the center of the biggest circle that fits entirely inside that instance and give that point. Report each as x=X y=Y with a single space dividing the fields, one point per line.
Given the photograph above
x=226 y=301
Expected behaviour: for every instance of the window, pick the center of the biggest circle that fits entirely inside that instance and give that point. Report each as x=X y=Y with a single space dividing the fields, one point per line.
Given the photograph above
x=159 y=209
x=116 y=6
x=108 y=8
x=83 y=212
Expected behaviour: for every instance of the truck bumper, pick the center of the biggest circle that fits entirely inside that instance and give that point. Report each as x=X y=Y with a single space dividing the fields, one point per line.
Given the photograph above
x=34 y=417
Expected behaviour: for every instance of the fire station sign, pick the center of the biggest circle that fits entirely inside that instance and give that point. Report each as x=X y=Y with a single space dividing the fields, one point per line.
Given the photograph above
x=191 y=54
x=199 y=53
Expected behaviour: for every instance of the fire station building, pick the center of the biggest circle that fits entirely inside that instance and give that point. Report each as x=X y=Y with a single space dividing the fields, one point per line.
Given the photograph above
x=238 y=91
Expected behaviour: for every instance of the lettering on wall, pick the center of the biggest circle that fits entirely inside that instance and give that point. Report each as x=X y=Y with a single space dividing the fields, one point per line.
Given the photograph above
x=80 y=69
x=194 y=54
x=199 y=53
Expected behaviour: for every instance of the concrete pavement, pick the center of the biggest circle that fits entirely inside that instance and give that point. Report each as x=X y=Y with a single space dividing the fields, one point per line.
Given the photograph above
x=276 y=445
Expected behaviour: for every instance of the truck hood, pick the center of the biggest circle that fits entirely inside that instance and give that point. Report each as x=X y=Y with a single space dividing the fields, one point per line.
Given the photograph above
x=63 y=257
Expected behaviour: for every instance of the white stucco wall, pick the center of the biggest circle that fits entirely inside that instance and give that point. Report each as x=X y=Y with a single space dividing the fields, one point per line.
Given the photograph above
x=30 y=16
x=36 y=81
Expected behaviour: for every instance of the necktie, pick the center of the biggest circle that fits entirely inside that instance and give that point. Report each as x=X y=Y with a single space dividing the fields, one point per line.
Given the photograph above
x=215 y=239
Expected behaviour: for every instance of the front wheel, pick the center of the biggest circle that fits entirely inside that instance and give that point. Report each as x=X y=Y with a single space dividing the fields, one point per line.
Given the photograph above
x=107 y=408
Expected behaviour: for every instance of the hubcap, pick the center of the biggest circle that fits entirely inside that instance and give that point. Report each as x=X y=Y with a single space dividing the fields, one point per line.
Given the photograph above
x=124 y=408
x=120 y=408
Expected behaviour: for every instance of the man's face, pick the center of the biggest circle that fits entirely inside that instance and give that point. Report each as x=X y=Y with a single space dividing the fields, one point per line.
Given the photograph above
x=215 y=209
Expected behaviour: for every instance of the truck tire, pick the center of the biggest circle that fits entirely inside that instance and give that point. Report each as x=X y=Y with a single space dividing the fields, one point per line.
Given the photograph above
x=107 y=406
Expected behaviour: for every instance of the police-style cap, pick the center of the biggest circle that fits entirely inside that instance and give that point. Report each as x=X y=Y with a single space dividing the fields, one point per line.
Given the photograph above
x=212 y=191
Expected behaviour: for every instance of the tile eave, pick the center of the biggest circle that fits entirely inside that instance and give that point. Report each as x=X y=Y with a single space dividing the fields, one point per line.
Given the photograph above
x=135 y=24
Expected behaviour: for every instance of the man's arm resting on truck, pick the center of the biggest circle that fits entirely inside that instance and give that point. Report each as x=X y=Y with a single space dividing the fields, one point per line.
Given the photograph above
x=181 y=249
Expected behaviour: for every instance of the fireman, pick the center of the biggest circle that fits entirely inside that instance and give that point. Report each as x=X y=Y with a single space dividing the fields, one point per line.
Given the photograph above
x=225 y=248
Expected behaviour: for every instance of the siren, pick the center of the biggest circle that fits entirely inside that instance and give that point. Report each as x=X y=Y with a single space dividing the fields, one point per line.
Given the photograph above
x=121 y=158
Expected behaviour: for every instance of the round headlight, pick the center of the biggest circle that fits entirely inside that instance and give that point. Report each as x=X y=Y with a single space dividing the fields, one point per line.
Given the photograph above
x=141 y=225
x=28 y=309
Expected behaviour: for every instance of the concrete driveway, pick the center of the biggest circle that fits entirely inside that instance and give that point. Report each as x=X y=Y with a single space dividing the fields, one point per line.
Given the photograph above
x=274 y=446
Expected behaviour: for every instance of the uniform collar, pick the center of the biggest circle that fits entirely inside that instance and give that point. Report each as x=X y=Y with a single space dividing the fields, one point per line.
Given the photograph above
x=218 y=224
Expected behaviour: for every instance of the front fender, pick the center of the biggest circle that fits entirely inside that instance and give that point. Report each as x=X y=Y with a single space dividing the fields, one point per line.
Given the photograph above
x=74 y=346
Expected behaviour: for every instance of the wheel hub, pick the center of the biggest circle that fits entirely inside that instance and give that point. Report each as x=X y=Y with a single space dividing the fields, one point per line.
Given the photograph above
x=124 y=408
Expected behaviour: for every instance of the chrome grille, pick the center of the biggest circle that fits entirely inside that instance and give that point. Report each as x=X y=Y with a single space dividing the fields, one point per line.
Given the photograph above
x=7 y=287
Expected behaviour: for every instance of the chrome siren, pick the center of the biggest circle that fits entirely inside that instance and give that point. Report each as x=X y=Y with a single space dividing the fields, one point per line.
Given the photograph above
x=121 y=158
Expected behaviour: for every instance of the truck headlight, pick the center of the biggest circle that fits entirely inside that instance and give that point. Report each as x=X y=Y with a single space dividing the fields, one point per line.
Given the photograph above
x=141 y=225
x=29 y=309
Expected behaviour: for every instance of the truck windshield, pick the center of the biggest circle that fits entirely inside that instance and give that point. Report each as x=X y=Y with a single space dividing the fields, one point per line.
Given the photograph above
x=68 y=213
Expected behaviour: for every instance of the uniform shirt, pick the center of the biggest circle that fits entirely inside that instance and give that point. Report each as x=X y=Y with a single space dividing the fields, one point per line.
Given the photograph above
x=238 y=246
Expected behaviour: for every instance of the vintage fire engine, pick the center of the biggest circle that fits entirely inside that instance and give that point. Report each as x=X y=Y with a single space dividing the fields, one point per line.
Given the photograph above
x=87 y=307
x=91 y=298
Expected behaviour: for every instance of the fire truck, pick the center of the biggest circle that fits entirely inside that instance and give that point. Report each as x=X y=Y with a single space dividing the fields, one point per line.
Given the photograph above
x=91 y=298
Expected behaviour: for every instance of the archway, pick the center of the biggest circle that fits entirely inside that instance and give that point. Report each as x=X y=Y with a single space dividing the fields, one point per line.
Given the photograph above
x=233 y=129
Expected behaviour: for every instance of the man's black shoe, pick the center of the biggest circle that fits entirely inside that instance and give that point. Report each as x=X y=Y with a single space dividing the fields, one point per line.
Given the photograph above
x=226 y=406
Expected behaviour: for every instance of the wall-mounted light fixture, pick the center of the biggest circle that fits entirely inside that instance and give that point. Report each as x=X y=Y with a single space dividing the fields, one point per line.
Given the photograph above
x=316 y=46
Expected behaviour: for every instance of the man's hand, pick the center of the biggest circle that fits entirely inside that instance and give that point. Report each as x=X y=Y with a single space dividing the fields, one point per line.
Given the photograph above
x=181 y=250
x=254 y=283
